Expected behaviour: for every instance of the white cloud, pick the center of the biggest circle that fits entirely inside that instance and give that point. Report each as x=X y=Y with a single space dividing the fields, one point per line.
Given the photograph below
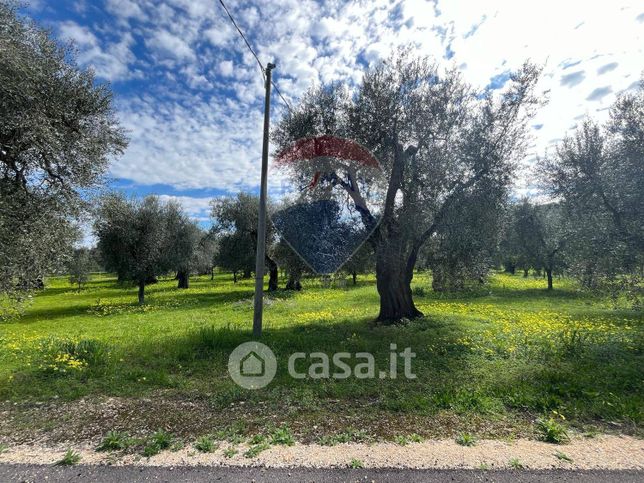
x=197 y=208
x=169 y=45
x=226 y=68
x=591 y=51
x=125 y=9
x=81 y=36
x=110 y=60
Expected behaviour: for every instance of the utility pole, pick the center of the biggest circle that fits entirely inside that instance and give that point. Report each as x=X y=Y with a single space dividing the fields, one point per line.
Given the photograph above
x=261 y=225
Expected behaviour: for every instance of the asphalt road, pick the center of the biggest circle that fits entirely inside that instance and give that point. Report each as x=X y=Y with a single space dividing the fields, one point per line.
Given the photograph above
x=36 y=473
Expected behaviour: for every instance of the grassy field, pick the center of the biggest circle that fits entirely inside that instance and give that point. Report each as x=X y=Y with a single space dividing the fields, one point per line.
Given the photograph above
x=488 y=363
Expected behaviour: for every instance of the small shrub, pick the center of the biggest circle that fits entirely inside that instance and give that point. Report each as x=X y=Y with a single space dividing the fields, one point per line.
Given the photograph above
x=283 y=436
x=114 y=441
x=256 y=449
x=552 y=431
x=466 y=439
x=515 y=464
x=356 y=464
x=70 y=458
x=206 y=444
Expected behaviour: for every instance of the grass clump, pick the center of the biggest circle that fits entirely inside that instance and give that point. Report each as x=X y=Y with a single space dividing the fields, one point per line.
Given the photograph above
x=404 y=440
x=3 y=448
x=158 y=442
x=356 y=464
x=283 y=436
x=256 y=449
x=230 y=452
x=115 y=441
x=349 y=436
x=515 y=464
x=70 y=458
x=233 y=434
x=206 y=444
x=465 y=439
x=552 y=431
x=563 y=456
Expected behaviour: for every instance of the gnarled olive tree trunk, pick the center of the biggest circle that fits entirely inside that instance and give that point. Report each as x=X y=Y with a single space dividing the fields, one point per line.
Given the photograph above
x=394 y=273
x=272 y=274
x=183 y=277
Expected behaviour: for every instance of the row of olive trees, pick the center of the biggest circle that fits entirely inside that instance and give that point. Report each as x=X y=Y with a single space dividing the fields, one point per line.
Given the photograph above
x=593 y=229
x=235 y=227
x=143 y=239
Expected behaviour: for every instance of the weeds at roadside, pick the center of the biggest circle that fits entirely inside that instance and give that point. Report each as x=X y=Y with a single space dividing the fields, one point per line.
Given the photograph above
x=3 y=448
x=256 y=449
x=563 y=456
x=465 y=439
x=515 y=464
x=230 y=452
x=158 y=442
x=257 y=439
x=115 y=441
x=206 y=444
x=552 y=431
x=233 y=434
x=70 y=458
x=282 y=436
x=349 y=436
x=403 y=440
x=356 y=464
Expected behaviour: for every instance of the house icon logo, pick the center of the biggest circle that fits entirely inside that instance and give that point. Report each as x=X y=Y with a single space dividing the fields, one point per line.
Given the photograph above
x=252 y=365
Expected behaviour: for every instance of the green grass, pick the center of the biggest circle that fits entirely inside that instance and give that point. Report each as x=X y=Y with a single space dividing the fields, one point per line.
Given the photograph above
x=115 y=441
x=552 y=431
x=465 y=439
x=510 y=352
x=70 y=458
x=158 y=442
x=206 y=444
x=563 y=457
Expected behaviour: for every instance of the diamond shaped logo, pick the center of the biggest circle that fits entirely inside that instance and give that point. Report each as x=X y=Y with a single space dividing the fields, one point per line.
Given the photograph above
x=334 y=201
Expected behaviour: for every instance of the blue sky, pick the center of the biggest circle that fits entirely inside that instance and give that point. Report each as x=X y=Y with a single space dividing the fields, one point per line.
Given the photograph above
x=190 y=94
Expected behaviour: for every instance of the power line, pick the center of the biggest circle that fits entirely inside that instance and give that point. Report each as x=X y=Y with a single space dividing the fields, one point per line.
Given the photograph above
x=242 y=36
x=261 y=66
x=288 y=106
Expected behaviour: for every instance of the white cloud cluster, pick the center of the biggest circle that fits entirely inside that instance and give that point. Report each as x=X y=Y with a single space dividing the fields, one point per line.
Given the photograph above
x=195 y=117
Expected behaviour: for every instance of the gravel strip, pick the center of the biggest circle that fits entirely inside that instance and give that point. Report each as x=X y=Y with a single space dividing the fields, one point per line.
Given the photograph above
x=603 y=452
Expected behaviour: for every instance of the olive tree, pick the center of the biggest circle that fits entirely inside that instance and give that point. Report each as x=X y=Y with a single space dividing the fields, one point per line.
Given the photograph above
x=80 y=266
x=182 y=240
x=133 y=237
x=235 y=222
x=436 y=137
x=58 y=132
x=598 y=174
